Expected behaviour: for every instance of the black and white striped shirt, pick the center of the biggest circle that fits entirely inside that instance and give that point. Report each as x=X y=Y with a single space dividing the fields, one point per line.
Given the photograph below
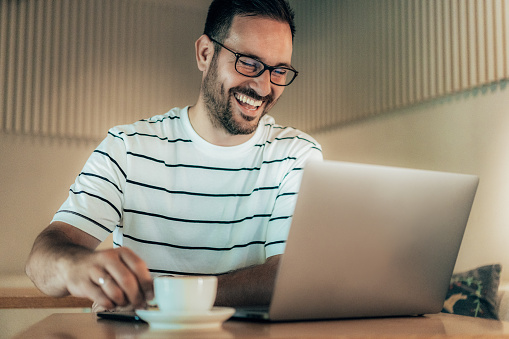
x=186 y=206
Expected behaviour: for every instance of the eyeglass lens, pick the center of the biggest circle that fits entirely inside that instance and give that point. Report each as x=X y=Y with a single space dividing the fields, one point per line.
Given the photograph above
x=253 y=68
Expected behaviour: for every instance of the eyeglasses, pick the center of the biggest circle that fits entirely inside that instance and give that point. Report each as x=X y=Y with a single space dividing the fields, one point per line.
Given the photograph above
x=252 y=68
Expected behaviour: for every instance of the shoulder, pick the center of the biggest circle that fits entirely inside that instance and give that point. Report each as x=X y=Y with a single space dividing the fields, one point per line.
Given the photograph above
x=155 y=125
x=278 y=136
x=147 y=136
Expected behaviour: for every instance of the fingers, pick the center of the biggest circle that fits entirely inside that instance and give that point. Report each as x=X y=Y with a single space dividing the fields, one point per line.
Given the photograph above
x=141 y=272
x=103 y=290
x=112 y=290
x=130 y=281
x=96 y=308
x=111 y=278
x=124 y=277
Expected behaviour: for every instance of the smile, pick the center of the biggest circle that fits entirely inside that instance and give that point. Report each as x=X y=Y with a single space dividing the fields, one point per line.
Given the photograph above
x=249 y=103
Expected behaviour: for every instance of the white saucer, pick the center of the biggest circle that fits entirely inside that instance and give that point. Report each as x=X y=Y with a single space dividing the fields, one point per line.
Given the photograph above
x=186 y=321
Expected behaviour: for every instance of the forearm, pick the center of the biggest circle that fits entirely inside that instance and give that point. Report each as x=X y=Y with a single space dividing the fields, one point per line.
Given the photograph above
x=249 y=286
x=52 y=252
x=64 y=261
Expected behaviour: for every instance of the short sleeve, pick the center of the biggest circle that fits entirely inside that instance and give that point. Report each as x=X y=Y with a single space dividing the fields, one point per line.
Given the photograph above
x=95 y=200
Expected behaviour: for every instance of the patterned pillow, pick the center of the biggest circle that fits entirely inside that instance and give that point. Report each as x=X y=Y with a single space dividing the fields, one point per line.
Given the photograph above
x=474 y=293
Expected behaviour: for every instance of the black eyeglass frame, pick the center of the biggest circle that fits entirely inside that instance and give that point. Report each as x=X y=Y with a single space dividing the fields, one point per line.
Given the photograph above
x=265 y=66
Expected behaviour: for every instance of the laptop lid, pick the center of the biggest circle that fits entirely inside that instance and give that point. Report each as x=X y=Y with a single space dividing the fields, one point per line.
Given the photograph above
x=371 y=241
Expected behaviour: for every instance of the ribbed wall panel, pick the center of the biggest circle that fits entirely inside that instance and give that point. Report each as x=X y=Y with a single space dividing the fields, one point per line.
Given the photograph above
x=74 y=68
x=359 y=58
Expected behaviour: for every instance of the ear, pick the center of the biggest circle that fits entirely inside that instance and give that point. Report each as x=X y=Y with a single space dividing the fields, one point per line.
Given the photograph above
x=204 y=51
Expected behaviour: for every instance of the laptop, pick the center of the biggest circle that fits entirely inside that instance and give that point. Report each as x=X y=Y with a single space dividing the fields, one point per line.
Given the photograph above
x=369 y=241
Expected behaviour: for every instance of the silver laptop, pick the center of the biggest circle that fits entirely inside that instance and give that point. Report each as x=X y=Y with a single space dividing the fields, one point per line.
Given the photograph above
x=370 y=241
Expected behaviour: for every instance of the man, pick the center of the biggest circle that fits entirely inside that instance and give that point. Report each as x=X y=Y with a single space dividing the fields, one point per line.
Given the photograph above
x=207 y=189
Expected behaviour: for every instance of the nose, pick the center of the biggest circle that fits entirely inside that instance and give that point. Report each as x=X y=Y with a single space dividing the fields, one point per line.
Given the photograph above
x=262 y=84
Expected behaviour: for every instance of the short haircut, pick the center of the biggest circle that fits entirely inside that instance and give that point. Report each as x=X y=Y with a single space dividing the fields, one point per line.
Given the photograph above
x=221 y=13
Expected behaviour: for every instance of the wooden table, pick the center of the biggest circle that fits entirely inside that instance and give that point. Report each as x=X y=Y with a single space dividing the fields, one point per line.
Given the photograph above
x=26 y=297
x=87 y=325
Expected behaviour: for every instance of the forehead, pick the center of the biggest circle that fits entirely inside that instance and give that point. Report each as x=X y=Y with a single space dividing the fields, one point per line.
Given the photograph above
x=267 y=39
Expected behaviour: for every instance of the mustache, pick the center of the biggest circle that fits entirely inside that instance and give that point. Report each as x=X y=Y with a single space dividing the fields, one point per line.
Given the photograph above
x=251 y=93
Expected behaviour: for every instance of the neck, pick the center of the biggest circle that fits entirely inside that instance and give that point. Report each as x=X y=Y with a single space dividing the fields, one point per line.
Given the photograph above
x=216 y=135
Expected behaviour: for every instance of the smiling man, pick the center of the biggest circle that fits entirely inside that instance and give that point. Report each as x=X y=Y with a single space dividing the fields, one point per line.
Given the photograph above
x=239 y=88
x=207 y=189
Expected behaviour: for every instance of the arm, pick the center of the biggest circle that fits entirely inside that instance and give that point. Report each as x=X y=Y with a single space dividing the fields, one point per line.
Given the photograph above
x=63 y=262
x=249 y=286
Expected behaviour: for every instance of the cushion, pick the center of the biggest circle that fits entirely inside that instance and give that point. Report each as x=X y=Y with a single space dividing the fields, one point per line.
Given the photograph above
x=474 y=293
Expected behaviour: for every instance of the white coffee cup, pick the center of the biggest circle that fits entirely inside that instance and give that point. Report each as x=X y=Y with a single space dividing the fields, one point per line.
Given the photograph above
x=185 y=294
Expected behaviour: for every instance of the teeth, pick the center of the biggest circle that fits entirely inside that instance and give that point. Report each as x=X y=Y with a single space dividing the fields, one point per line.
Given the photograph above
x=248 y=100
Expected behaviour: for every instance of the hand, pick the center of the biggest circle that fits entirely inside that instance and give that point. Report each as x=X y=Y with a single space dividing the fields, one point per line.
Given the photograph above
x=112 y=278
x=248 y=286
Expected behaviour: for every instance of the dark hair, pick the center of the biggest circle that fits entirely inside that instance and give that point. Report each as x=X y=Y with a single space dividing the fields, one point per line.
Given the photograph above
x=222 y=12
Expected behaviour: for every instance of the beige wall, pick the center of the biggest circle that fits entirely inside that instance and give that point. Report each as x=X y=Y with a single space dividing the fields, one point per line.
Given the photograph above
x=466 y=133
x=117 y=79
x=35 y=175
x=73 y=69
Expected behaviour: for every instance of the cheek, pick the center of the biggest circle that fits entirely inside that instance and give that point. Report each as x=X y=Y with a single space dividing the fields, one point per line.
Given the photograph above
x=278 y=91
x=229 y=76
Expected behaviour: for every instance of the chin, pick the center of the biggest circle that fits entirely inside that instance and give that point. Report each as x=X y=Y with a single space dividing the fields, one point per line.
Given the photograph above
x=246 y=125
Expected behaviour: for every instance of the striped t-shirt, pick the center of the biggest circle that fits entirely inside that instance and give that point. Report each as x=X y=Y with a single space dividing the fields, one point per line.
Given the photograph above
x=186 y=206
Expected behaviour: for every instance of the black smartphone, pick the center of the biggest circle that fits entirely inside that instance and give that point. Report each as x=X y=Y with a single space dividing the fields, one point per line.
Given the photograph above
x=129 y=316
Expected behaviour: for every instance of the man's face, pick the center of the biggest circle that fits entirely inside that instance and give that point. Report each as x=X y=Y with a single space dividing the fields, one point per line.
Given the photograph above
x=235 y=102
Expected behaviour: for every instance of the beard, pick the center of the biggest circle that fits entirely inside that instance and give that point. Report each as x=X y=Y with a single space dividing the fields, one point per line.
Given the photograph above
x=219 y=104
